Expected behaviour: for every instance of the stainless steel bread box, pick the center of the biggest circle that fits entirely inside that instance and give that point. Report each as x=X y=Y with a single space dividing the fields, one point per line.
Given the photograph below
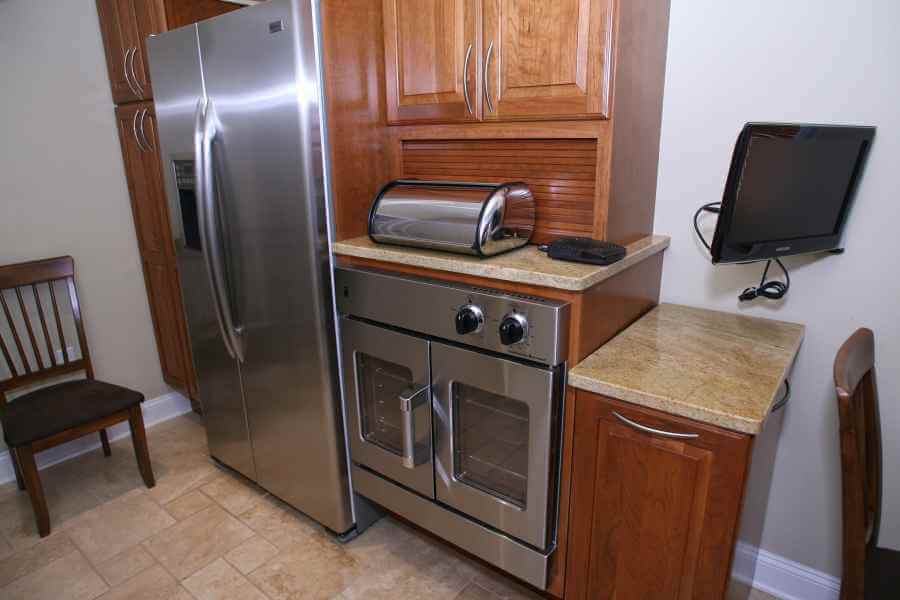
x=467 y=218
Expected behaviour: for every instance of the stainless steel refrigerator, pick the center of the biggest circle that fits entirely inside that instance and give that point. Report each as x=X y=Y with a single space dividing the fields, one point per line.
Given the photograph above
x=243 y=148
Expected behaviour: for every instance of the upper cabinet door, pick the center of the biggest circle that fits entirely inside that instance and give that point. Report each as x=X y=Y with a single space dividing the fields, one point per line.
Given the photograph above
x=125 y=25
x=432 y=59
x=547 y=59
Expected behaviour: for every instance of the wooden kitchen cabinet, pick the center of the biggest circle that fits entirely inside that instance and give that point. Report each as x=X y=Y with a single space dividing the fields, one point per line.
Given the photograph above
x=125 y=25
x=432 y=50
x=651 y=516
x=137 y=136
x=547 y=60
x=469 y=60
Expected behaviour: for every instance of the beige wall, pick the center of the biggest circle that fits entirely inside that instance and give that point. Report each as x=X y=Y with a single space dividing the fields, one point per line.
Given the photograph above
x=62 y=184
x=820 y=61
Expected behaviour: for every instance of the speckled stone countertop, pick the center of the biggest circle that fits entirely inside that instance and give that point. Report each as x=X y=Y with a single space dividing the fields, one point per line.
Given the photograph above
x=526 y=265
x=718 y=368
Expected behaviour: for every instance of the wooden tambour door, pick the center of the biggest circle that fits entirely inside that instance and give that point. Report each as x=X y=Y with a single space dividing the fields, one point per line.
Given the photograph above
x=138 y=139
x=653 y=515
x=432 y=58
x=125 y=25
x=547 y=59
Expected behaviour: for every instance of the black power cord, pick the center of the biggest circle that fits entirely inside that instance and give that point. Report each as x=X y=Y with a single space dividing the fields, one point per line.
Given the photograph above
x=773 y=290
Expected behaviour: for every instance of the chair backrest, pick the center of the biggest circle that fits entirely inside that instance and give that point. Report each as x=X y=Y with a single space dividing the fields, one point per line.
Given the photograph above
x=860 y=436
x=39 y=304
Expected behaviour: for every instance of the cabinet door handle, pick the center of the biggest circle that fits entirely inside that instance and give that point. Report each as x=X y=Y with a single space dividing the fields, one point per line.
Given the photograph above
x=651 y=430
x=134 y=130
x=466 y=79
x=137 y=84
x=125 y=72
x=147 y=143
x=487 y=78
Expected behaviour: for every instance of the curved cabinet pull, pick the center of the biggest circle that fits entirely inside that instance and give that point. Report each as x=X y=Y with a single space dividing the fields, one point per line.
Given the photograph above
x=487 y=77
x=150 y=146
x=466 y=79
x=659 y=432
x=125 y=72
x=134 y=130
x=137 y=84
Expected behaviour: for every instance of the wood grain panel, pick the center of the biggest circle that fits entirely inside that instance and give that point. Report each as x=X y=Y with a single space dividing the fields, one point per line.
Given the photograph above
x=562 y=174
x=185 y=12
x=651 y=517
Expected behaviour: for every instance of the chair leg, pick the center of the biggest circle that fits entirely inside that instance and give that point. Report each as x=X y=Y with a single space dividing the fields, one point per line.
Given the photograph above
x=35 y=489
x=139 y=439
x=17 y=468
x=104 y=440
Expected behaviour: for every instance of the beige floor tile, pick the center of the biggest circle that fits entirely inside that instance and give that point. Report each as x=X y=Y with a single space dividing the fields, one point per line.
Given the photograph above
x=118 y=525
x=251 y=554
x=233 y=493
x=187 y=505
x=181 y=477
x=473 y=591
x=220 y=581
x=5 y=548
x=34 y=557
x=197 y=541
x=311 y=570
x=503 y=586
x=280 y=524
x=386 y=545
x=152 y=584
x=70 y=577
x=125 y=565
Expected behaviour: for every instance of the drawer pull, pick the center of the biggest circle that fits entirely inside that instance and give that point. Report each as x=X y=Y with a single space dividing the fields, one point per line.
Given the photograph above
x=660 y=432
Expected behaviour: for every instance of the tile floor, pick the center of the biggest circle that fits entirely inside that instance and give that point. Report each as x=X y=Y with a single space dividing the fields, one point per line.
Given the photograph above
x=203 y=533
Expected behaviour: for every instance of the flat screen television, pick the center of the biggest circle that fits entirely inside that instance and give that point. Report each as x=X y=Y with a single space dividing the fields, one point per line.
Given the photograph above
x=789 y=190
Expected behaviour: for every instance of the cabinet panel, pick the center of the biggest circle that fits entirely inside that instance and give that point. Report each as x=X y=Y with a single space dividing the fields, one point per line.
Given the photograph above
x=165 y=306
x=547 y=59
x=652 y=516
x=426 y=45
x=125 y=25
x=185 y=12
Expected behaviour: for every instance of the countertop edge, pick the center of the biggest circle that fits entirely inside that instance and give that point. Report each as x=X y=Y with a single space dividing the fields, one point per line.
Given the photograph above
x=449 y=263
x=731 y=422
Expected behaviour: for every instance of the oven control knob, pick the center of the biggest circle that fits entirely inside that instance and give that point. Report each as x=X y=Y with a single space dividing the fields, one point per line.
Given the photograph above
x=513 y=329
x=469 y=319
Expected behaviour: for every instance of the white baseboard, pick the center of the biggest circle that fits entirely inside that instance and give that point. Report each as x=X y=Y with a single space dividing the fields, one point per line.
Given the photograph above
x=159 y=409
x=782 y=577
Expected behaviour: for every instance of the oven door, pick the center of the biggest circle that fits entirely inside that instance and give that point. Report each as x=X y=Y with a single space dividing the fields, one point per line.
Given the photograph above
x=497 y=441
x=388 y=396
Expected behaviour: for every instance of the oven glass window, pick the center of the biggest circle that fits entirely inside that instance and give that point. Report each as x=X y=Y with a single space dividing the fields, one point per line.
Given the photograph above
x=380 y=385
x=490 y=443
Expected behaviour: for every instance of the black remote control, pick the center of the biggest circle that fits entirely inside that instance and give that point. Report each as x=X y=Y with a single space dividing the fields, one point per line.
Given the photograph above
x=584 y=250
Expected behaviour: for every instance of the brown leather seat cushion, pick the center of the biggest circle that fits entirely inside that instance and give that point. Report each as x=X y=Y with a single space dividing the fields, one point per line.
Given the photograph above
x=882 y=574
x=55 y=408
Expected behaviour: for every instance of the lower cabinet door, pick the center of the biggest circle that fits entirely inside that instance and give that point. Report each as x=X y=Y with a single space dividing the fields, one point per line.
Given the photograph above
x=165 y=308
x=654 y=516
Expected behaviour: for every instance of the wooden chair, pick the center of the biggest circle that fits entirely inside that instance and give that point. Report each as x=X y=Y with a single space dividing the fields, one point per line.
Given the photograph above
x=869 y=572
x=56 y=414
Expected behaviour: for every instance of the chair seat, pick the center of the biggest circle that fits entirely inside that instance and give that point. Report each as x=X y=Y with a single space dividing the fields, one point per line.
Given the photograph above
x=59 y=407
x=882 y=574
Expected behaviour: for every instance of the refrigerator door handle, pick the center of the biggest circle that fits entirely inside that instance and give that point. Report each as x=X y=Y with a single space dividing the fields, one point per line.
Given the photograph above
x=204 y=135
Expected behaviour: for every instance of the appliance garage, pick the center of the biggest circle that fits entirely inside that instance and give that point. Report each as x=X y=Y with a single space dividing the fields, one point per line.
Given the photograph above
x=454 y=402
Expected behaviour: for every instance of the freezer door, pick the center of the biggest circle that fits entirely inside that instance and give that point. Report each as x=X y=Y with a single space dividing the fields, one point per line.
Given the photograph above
x=178 y=86
x=261 y=78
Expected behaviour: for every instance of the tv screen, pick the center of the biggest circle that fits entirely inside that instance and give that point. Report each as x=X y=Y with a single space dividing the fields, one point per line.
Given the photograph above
x=789 y=190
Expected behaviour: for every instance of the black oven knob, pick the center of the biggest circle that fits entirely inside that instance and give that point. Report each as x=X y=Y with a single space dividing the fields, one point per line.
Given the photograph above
x=513 y=329
x=469 y=319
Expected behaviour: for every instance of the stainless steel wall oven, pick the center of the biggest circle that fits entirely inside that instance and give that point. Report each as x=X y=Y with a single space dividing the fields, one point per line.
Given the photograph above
x=455 y=400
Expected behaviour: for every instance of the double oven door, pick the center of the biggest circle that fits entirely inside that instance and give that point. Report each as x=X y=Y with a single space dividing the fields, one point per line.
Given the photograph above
x=470 y=430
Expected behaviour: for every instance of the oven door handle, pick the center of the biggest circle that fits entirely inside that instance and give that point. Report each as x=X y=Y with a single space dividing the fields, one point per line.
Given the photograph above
x=410 y=400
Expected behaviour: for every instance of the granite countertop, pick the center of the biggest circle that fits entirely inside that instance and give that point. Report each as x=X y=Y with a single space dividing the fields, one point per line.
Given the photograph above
x=718 y=368
x=526 y=265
